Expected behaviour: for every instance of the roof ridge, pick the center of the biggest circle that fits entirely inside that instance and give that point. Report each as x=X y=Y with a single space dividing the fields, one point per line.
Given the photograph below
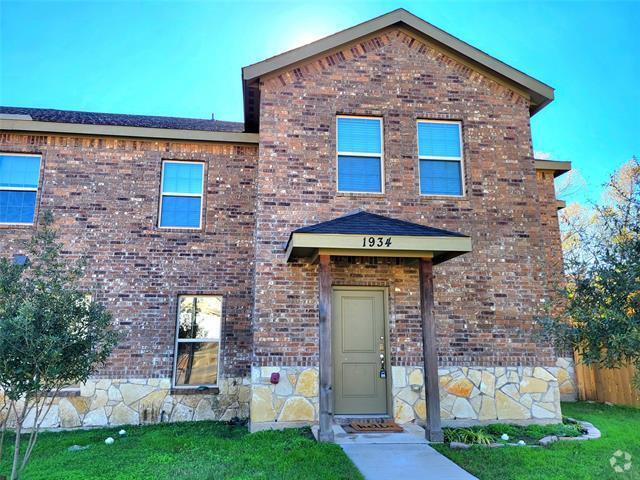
x=344 y=221
x=87 y=112
x=406 y=222
x=78 y=117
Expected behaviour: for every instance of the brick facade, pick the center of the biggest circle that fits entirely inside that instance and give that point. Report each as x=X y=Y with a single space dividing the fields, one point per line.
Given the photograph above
x=104 y=193
x=485 y=300
x=104 y=196
x=550 y=228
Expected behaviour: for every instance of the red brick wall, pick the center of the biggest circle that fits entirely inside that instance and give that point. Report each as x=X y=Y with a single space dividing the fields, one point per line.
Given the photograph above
x=104 y=195
x=485 y=300
x=550 y=228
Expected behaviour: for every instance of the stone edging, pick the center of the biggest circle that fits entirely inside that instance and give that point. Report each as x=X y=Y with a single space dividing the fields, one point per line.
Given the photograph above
x=592 y=434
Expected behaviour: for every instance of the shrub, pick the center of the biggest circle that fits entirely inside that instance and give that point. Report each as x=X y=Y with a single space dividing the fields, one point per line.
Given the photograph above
x=471 y=436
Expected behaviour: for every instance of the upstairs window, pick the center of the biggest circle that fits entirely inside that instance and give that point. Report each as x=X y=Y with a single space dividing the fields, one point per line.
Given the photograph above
x=198 y=340
x=181 y=196
x=440 y=156
x=359 y=154
x=19 y=178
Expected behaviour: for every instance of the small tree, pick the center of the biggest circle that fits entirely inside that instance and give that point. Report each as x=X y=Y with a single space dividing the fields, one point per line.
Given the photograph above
x=51 y=335
x=600 y=303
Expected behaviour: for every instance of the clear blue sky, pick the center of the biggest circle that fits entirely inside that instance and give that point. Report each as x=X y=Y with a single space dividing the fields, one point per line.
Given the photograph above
x=184 y=59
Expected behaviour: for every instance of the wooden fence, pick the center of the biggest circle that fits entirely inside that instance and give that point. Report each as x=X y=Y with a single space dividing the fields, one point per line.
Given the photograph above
x=606 y=385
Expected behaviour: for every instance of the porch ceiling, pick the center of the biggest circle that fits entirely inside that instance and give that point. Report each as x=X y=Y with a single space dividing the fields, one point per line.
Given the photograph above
x=366 y=234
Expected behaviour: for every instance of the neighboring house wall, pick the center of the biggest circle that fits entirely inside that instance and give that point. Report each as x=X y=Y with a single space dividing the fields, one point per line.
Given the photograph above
x=104 y=196
x=548 y=203
x=485 y=300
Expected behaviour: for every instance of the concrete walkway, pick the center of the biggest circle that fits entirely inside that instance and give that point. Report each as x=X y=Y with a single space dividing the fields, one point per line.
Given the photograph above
x=406 y=455
x=403 y=461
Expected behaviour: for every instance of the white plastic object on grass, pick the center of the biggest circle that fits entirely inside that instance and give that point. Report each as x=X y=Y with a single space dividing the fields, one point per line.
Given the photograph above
x=504 y=437
x=109 y=441
x=122 y=432
x=521 y=442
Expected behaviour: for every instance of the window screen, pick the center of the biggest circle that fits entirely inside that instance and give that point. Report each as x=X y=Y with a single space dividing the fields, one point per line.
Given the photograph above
x=181 y=198
x=19 y=178
x=440 y=157
x=359 y=154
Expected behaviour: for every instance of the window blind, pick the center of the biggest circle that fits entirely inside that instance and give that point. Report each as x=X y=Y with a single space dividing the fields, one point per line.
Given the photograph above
x=439 y=139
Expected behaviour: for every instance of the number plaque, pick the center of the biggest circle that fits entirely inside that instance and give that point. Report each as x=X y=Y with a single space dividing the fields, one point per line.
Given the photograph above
x=376 y=242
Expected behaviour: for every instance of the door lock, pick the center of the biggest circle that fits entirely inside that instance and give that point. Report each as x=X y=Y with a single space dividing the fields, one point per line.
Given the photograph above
x=383 y=370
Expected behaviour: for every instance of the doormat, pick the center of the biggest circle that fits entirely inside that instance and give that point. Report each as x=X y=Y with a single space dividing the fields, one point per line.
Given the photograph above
x=372 y=426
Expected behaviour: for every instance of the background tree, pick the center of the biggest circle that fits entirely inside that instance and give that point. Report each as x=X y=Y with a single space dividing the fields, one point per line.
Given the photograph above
x=51 y=335
x=600 y=303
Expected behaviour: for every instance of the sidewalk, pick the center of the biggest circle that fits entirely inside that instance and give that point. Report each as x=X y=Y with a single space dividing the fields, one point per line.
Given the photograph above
x=403 y=461
x=405 y=456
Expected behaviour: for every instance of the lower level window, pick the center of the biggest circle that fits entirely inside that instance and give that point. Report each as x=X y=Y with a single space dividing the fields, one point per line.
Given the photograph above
x=198 y=340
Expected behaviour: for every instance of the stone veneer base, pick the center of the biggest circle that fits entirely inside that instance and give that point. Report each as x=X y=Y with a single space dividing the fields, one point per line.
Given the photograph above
x=293 y=401
x=108 y=402
x=468 y=395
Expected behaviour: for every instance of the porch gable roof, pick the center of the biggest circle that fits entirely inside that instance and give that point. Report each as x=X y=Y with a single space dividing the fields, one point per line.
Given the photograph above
x=361 y=233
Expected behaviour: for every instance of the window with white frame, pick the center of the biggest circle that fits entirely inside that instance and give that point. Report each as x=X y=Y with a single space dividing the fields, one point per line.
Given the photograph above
x=359 y=145
x=181 y=194
x=198 y=340
x=440 y=157
x=19 y=179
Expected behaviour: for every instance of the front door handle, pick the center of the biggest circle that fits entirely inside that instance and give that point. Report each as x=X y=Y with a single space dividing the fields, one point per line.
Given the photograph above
x=383 y=369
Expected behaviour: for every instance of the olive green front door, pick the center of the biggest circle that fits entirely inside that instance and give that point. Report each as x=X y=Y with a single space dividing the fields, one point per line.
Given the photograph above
x=360 y=366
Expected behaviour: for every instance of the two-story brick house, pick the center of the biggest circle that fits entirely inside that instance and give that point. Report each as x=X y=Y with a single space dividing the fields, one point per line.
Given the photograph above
x=375 y=239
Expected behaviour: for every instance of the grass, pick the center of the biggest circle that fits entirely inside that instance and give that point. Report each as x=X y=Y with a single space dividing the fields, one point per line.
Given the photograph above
x=571 y=460
x=197 y=450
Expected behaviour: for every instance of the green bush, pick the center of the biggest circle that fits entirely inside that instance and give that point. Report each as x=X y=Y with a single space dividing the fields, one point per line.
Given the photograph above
x=470 y=436
x=490 y=433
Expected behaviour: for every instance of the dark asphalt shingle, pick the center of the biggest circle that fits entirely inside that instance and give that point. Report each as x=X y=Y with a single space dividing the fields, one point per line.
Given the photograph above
x=365 y=223
x=116 y=119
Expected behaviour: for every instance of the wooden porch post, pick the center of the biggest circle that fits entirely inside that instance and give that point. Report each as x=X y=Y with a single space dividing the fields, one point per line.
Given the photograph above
x=325 y=433
x=433 y=428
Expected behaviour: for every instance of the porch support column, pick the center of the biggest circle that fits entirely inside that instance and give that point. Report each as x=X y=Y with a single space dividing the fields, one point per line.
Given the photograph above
x=325 y=433
x=433 y=428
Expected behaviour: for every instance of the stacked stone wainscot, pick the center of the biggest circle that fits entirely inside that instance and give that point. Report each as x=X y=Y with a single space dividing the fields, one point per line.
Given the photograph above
x=293 y=401
x=471 y=395
x=468 y=395
x=107 y=402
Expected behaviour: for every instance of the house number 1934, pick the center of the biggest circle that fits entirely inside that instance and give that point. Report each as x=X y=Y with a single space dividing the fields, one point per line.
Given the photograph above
x=376 y=242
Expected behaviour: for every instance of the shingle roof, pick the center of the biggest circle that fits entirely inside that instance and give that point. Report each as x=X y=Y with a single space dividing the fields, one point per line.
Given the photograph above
x=149 y=121
x=365 y=223
x=540 y=93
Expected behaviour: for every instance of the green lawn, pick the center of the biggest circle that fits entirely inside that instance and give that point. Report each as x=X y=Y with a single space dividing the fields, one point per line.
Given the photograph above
x=211 y=450
x=573 y=460
x=199 y=450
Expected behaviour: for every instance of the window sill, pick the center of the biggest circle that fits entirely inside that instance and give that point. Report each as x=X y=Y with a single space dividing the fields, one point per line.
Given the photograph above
x=183 y=231
x=72 y=392
x=16 y=225
x=194 y=391
x=443 y=197
x=360 y=194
